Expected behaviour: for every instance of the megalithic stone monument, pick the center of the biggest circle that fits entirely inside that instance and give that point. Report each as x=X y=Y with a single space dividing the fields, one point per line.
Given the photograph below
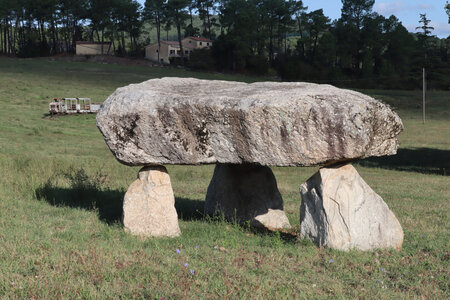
x=243 y=128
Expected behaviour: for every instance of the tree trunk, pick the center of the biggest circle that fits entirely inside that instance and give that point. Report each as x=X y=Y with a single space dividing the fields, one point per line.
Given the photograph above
x=209 y=22
x=43 y=32
x=271 y=44
x=66 y=35
x=103 y=38
x=316 y=37
x=279 y=34
x=10 y=35
x=1 y=38
x=74 y=36
x=158 y=35
x=5 y=37
x=124 y=51
x=179 y=41
x=53 y=36
x=301 y=36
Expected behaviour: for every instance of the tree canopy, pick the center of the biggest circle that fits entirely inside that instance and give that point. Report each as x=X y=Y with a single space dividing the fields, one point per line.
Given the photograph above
x=361 y=48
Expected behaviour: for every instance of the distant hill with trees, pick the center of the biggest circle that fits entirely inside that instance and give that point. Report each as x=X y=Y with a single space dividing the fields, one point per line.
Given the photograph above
x=275 y=37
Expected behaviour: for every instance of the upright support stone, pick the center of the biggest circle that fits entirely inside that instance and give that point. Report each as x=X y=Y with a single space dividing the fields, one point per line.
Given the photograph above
x=149 y=204
x=339 y=210
x=246 y=193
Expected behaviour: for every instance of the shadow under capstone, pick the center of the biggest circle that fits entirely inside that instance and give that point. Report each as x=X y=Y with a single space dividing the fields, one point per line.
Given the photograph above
x=108 y=203
x=189 y=209
x=420 y=160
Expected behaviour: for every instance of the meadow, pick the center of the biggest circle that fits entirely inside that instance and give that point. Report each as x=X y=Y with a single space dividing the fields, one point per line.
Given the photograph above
x=61 y=194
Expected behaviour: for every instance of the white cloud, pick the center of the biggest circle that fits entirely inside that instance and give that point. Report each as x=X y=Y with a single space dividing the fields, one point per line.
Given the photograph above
x=391 y=8
x=423 y=6
x=442 y=30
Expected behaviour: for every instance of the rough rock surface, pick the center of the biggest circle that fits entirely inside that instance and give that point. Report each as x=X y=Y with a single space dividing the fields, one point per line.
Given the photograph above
x=191 y=121
x=246 y=193
x=149 y=204
x=339 y=210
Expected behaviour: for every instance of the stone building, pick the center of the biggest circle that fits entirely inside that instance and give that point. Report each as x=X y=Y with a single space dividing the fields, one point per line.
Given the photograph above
x=171 y=49
x=93 y=48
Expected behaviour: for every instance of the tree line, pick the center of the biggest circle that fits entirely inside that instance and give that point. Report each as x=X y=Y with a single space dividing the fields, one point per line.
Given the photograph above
x=47 y=27
x=275 y=37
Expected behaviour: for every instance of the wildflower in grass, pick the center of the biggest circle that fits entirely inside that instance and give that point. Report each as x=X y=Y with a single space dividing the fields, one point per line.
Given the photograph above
x=421 y=235
x=178 y=251
x=185 y=264
x=196 y=247
x=383 y=269
x=192 y=272
x=331 y=261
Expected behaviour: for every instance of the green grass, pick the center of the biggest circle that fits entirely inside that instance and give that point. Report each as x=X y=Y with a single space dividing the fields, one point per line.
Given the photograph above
x=61 y=192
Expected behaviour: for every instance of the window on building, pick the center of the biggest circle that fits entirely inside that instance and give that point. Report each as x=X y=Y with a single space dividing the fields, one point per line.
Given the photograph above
x=178 y=52
x=172 y=51
x=207 y=44
x=200 y=43
x=186 y=51
x=156 y=50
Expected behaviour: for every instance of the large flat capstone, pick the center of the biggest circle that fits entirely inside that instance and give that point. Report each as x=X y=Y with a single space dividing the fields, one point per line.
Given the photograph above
x=191 y=121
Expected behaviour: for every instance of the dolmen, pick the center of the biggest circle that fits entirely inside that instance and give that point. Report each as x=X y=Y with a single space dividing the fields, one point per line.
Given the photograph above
x=243 y=129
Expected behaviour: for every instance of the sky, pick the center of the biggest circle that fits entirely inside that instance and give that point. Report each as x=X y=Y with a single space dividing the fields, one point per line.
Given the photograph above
x=407 y=11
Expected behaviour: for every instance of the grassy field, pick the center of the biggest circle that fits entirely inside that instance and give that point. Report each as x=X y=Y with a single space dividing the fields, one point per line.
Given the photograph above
x=61 y=193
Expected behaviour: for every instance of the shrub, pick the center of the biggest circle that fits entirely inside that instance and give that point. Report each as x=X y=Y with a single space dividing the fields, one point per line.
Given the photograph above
x=201 y=59
x=29 y=48
x=257 y=64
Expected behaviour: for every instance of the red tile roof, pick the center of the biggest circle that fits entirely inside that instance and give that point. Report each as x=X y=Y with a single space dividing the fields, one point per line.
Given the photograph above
x=91 y=43
x=200 y=39
x=174 y=43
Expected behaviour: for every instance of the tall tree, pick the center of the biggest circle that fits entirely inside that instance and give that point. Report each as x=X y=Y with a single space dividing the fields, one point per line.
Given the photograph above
x=351 y=42
x=399 y=47
x=154 y=11
x=354 y=11
x=426 y=30
x=126 y=14
x=205 y=9
x=313 y=25
x=177 y=13
x=275 y=17
x=72 y=14
x=241 y=27
x=447 y=10
x=298 y=11
x=100 y=15
x=424 y=37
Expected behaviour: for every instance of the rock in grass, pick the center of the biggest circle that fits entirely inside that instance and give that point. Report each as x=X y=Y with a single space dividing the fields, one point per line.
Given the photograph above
x=191 y=121
x=339 y=210
x=149 y=205
x=246 y=193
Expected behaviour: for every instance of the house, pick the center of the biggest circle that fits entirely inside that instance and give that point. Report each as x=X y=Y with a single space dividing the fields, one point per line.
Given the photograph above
x=197 y=42
x=93 y=48
x=171 y=49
